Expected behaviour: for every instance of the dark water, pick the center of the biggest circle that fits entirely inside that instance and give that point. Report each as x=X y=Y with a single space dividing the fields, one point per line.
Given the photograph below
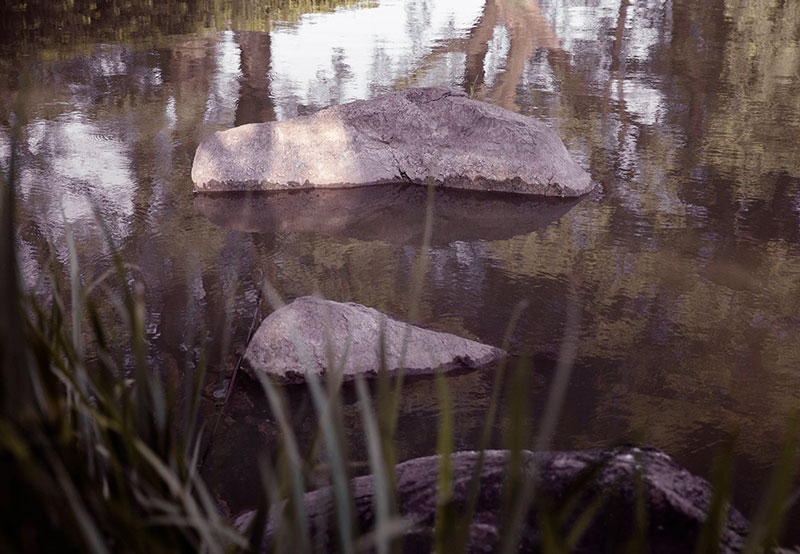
x=685 y=265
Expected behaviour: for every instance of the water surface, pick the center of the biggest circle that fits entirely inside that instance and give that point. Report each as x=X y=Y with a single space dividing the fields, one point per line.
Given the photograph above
x=685 y=264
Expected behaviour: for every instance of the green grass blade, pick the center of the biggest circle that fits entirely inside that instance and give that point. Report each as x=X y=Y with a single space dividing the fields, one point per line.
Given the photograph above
x=558 y=389
x=386 y=416
x=382 y=494
x=486 y=432
x=383 y=533
x=16 y=394
x=445 y=521
x=555 y=402
x=583 y=522
x=295 y=462
x=334 y=452
x=518 y=484
x=708 y=541
x=417 y=281
x=767 y=525
x=333 y=444
x=637 y=543
x=95 y=540
x=75 y=288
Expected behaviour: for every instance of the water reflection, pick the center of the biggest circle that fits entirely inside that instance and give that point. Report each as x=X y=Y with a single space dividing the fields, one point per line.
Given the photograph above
x=393 y=214
x=338 y=57
x=687 y=267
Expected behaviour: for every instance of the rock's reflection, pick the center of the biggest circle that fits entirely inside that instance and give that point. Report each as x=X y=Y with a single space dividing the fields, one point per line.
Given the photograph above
x=392 y=213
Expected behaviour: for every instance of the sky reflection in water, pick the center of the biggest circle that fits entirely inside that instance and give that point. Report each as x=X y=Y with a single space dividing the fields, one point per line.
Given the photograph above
x=686 y=264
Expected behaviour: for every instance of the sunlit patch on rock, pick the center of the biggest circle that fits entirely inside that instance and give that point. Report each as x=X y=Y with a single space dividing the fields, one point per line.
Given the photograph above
x=406 y=136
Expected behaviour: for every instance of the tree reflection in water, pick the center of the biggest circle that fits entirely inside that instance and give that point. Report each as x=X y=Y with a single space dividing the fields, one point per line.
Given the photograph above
x=689 y=260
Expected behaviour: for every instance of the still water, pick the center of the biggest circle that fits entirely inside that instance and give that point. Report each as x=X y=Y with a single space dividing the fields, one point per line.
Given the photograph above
x=685 y=264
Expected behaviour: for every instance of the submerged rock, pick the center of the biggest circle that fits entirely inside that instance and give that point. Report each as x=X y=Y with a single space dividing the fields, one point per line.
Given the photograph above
x=405 y=136
x=675 y=501
x=295 y=339
x=393 y=214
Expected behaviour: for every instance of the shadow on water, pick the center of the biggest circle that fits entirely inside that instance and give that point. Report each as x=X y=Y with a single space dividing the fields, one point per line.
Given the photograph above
x=392 y=213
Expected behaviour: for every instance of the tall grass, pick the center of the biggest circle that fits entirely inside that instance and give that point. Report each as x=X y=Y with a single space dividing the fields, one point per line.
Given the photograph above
x=98 y=454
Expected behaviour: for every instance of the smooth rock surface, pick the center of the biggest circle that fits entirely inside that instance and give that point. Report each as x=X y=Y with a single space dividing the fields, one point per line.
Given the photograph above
x=393 y=214
x=404 y=136
x=676 y=501
x=293 y=339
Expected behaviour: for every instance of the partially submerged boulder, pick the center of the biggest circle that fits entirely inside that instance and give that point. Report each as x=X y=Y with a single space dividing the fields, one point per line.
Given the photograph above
x=675 y=501
x=297 y=338
x=405 y=136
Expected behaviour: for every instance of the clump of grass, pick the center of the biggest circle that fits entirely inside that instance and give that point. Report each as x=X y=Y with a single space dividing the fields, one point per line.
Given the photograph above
x=96 y=455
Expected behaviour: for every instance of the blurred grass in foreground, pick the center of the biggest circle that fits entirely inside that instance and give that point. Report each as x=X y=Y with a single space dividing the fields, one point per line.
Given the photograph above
x=99 y=453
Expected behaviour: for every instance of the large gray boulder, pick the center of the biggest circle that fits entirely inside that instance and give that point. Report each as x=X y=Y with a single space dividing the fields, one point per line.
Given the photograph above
x=404 y=136
x=675 y=501
x=295 y=339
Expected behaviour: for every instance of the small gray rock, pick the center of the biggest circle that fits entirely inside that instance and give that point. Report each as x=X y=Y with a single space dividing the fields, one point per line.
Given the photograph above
x=405 y=136
x=294 y=339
